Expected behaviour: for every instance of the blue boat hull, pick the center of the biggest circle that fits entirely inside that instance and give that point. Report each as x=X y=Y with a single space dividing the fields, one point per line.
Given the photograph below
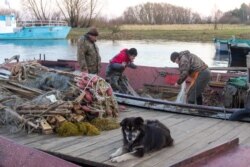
x=41 y=32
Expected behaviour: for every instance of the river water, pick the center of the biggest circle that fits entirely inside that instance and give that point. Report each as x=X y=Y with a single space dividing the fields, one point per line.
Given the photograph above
x=150 y=52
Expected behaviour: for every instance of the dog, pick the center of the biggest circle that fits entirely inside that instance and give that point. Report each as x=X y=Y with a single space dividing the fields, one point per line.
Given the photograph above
x=140 y=137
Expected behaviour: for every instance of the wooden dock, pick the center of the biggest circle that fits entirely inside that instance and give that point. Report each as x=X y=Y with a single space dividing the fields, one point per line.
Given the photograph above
x=192 y=135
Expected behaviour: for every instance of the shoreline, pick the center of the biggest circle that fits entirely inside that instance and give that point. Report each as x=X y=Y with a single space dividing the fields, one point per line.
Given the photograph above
x=187 y=33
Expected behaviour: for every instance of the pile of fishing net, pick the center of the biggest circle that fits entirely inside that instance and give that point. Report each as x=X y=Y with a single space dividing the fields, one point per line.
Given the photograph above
x=47 y=100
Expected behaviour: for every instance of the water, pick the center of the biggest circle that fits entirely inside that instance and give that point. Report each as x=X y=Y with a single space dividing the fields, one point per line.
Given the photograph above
x=150 y=52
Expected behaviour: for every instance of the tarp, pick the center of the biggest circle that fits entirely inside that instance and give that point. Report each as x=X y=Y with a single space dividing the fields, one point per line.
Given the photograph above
x=239 y=82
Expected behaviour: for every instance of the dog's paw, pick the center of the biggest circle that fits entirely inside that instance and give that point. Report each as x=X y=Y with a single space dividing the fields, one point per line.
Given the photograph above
x=116 y=159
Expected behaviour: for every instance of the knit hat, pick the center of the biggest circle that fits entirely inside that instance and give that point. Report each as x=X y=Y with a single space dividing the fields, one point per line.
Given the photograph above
x=174 y=56
x=93 y=31
x=132 y=52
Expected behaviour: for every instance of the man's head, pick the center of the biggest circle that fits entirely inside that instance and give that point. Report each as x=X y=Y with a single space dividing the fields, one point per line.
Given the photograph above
x=174 y=56
x=132 y=53
x=92 y=33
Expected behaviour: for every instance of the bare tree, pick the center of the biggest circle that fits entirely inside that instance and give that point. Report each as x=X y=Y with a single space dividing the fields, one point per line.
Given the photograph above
x=72 y=10
x=78 y=13
x=92 y=10
x=40 y=9
x=217 y=16
x=159 y=13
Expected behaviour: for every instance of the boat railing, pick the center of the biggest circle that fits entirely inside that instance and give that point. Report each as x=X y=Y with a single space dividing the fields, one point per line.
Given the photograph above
x=41 y=23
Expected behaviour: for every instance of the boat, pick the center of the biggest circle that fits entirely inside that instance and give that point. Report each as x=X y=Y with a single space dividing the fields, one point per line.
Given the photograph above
x=238 y=51
x=221 y=45
x=236 y=48
x=11 y=29
x=198 y=140
x=27 y=156
x=156 y=91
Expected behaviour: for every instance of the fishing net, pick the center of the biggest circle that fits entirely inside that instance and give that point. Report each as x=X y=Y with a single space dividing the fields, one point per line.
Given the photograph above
x=40 y=99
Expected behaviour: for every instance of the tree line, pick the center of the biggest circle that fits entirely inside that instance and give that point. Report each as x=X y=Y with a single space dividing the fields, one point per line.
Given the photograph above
x=159 y=13
x=84 y=13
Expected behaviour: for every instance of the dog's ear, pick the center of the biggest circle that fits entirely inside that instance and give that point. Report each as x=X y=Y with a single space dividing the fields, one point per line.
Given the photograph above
x=123 y=122
x=139 y=121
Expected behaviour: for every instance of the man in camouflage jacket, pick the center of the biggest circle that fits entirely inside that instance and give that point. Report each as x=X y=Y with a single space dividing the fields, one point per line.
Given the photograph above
x=88 y=52
x=192 y=66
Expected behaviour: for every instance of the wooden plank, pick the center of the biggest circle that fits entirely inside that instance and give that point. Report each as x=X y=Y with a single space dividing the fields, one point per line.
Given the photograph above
x=244 y=134
x=246 y=142
x=203 y=141
x=87 y=148
x=61 y=143
x=111 y=147
x=81 y=145
x=20 y=91
x=182 y=141
x=32 y=138
x=234 y=133
x=207 y=155
x=102 y=155
x=56 y=142
x=191 y=134
x=80 y=148
x=35 y=90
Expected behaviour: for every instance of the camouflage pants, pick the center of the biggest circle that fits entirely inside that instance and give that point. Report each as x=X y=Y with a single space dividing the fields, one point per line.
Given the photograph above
x=114 y=75
x=194 y=95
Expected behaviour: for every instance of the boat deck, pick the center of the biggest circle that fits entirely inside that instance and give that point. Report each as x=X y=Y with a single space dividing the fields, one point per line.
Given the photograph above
x=192 y=135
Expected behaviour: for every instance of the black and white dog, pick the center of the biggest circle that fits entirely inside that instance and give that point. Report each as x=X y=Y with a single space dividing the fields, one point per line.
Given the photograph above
x=141 y=137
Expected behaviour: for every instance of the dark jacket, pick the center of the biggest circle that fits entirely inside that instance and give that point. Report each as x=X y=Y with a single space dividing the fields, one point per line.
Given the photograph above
x=88 y=55
x=188 y=64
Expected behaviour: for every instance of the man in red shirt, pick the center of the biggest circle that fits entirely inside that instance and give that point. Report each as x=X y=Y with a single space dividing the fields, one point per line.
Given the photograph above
x=117 y=65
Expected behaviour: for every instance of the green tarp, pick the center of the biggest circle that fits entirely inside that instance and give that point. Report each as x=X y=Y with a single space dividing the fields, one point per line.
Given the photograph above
x=239 y=82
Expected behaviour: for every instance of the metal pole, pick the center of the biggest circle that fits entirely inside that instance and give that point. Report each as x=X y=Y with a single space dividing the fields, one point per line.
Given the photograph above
x=193 y=106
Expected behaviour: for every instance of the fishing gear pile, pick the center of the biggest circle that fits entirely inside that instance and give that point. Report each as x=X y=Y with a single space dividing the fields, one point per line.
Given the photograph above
x=40 y=99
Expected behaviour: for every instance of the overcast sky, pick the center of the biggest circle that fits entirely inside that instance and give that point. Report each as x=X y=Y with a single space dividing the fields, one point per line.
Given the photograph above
x=114 y=8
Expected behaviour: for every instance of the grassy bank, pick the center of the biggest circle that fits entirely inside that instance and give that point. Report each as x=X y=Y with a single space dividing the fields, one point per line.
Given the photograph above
x=200 y=32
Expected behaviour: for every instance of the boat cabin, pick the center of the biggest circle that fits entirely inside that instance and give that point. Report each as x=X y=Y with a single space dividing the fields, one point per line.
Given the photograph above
x=7 y=23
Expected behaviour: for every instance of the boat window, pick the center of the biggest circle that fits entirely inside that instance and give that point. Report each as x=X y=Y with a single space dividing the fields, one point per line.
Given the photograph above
x=8 y=20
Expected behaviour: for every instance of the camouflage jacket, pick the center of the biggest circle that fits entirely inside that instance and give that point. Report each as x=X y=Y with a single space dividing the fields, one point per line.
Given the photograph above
x=88 y=55
x=189 y=63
